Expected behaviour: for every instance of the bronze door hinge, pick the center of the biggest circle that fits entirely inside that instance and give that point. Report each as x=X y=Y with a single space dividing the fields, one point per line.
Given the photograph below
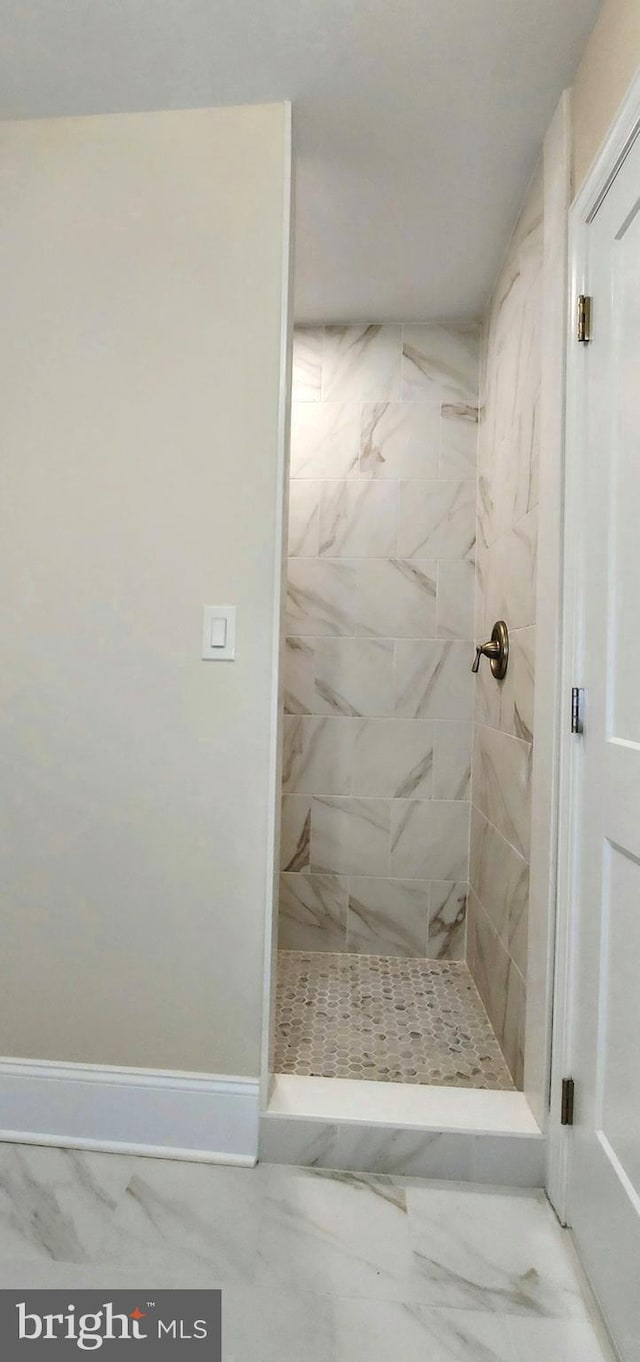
x=583 y=318
x=566 y=1107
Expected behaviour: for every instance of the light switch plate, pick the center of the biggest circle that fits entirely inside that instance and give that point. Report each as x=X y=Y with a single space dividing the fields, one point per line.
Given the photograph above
x=218 y=624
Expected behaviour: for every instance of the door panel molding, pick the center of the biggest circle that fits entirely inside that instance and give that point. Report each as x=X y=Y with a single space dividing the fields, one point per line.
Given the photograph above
x=607 y=165
x=618 y=145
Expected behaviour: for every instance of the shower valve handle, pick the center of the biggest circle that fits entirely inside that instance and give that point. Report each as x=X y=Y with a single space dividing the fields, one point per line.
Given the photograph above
x=485 y=650
x=496 y=649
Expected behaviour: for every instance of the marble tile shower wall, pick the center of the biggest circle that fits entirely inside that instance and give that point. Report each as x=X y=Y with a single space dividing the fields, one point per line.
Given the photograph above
x=506 y=582
x=378 y=691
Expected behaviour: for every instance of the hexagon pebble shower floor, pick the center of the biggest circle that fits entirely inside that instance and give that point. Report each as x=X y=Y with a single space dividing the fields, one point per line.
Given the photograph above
x=382 y=1018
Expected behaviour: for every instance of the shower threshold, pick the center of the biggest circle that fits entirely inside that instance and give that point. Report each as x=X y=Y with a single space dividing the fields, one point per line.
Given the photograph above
x=386 y=1020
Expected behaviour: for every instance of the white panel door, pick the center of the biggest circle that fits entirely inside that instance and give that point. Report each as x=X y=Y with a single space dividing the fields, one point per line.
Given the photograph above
x=604 y=1186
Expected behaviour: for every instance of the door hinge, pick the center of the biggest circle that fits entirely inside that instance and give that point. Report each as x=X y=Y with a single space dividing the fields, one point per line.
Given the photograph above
x=577 y=709
x=566 y=1106
x=583 y=318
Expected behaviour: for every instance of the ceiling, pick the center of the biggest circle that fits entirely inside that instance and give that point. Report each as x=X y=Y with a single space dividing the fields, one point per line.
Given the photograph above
x=417 y=122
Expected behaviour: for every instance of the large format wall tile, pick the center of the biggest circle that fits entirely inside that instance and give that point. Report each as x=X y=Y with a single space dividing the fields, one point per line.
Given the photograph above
x=454 y=607
x=500 y=985
x=401 y=440
x=447 y=920
x=393 y=757
x=508 y=450
x=321 y=597
x=500 y=878
x=297 y=675
x=350 y=836
x=306 y=381
x=388 y=917
x=353 y=676
x=429 y=839
x=519 y=719
x=509 y=706
x=325 y=439
x=437 y=519
x=376 y=684
x=519 y=567
x=433 y=680
x=458 y=440
x=318 y=754
x=304 y=535
x=313 y=912
x=440 y=361
x=502 y=784
x=295 y=833
x=361 y=363
x=396 y=598
x=358 y=519
x=452 y=745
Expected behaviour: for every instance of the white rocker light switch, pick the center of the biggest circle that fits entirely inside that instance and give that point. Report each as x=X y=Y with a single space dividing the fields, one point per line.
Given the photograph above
x=219 y=633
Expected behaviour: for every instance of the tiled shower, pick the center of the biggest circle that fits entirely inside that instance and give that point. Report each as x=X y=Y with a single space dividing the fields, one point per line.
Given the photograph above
x=376 y=974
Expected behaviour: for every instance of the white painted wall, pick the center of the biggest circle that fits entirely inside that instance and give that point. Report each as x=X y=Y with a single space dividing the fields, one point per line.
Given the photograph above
x=142 y=260
x=550 y=707
x=609 y=63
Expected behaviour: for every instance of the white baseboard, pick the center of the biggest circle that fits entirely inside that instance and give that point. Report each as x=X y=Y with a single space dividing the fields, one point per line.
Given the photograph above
x=159 y=1113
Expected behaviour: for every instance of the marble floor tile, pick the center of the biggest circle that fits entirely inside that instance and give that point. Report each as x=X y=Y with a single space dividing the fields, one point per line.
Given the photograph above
x=50 y=1274
x=400 y=440
x=294 y=1326
x=325 y=439
x=557 y=1340
x=295 y=1244
x=491 y=1251
x=190 y=1213
x=380 y=1330
x=329 y=1267
x=333 y=1233
x=57 y=1203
